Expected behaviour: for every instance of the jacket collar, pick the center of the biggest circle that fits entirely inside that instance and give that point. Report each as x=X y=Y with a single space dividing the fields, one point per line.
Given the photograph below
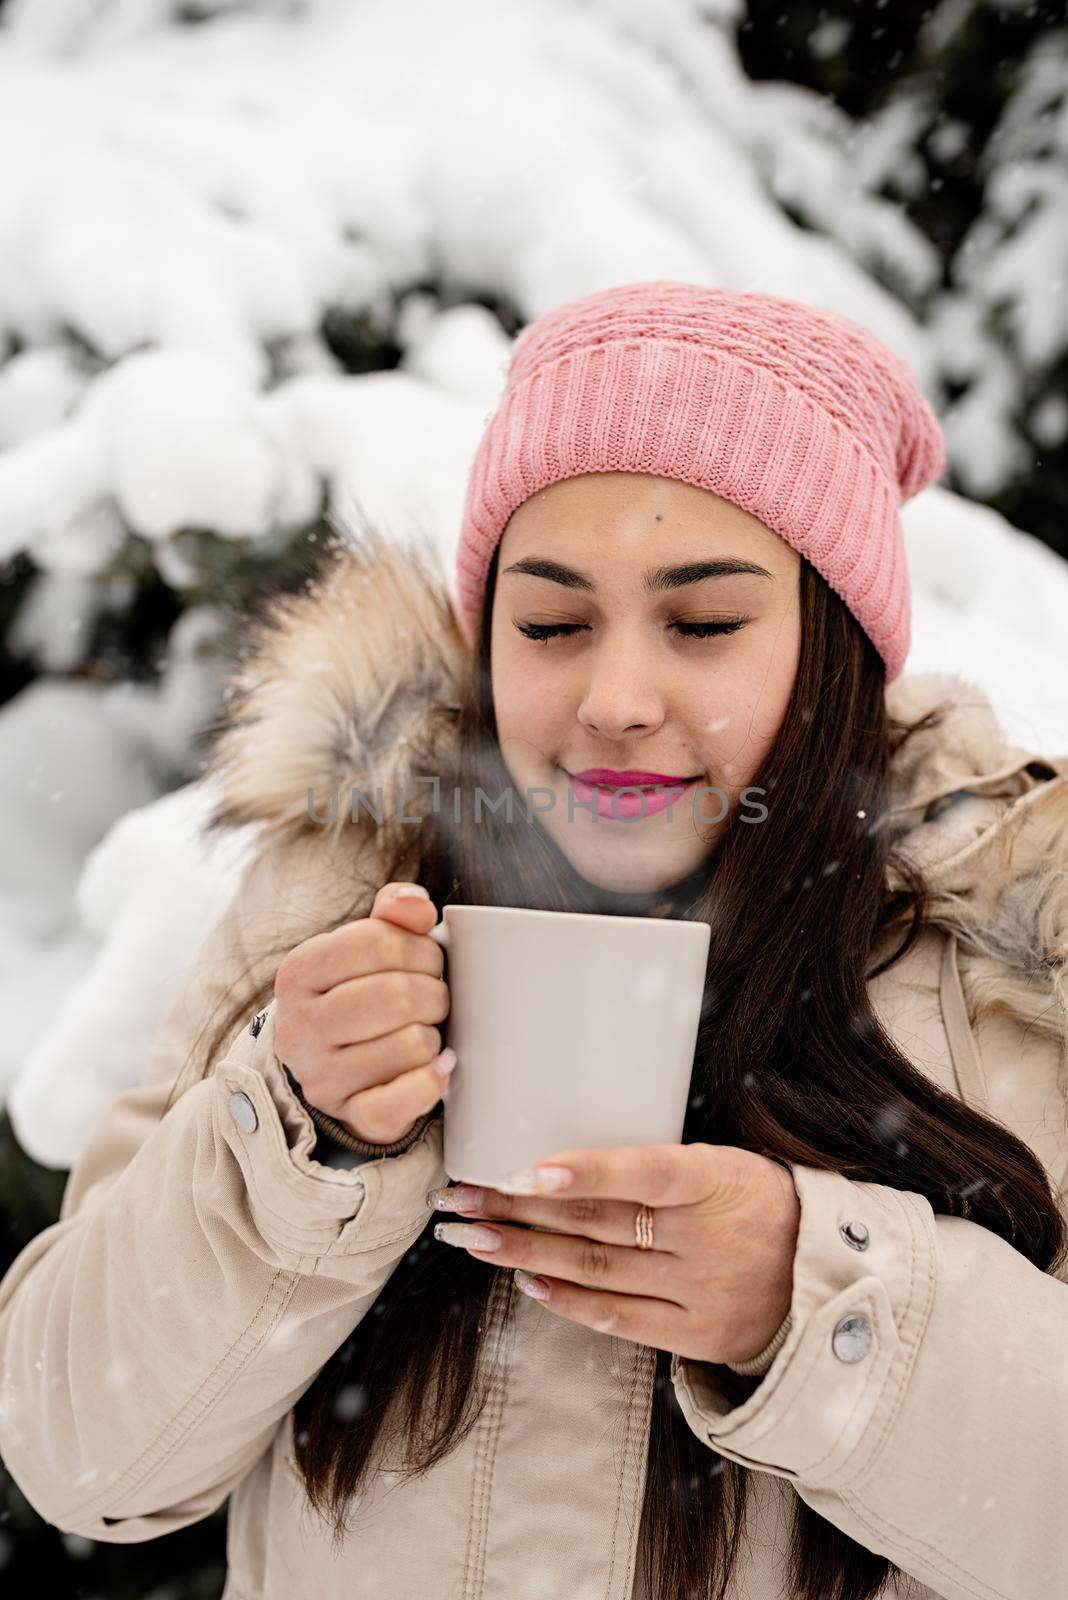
x=352 y=684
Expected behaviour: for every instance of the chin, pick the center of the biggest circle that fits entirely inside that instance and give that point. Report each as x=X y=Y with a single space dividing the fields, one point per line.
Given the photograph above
x=627 y=876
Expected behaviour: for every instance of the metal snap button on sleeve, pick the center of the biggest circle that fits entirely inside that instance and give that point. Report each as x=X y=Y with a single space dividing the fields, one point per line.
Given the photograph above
x=855 y=1234
x=852 y=1337
x=243 y=1112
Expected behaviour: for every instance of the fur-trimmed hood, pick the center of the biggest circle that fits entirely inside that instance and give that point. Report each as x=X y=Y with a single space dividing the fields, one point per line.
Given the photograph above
x=353 y=685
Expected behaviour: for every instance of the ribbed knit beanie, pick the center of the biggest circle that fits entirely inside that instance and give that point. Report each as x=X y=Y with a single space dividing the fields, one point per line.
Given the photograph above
x=799 y=415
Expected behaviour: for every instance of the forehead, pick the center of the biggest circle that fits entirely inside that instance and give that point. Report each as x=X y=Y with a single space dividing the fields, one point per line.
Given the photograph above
x=598 y=521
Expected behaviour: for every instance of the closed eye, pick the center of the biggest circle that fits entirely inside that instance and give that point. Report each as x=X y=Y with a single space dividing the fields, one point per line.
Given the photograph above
x=706 y=630
x=542 y=632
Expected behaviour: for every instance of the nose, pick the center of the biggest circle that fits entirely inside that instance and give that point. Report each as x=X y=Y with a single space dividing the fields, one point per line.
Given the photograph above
x=621 y=696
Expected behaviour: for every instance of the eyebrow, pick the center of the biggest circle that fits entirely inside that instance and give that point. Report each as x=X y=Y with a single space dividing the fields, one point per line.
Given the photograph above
x=654 y=581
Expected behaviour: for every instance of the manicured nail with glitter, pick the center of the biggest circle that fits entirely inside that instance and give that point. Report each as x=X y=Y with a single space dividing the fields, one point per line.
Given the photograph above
x=463 y=1197
x=537 y=1288
x=471 y=1236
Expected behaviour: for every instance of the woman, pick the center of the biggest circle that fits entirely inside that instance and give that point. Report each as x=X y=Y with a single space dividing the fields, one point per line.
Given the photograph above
x=246 y=1293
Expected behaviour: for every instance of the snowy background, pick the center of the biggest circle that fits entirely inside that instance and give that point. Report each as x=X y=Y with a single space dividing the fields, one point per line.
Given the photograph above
x=259 y=260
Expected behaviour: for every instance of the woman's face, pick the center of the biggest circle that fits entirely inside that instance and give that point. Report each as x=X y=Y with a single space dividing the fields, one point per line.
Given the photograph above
x=632 y=688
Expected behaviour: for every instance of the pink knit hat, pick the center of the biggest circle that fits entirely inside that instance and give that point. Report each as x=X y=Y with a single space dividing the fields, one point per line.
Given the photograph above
x=797 y=414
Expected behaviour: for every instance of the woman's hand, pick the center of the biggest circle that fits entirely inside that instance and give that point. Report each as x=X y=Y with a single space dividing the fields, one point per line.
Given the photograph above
x=356 y=1012
x=719 y=1278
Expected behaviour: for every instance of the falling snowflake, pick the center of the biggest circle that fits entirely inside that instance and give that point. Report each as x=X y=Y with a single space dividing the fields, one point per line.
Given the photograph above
x=350 y=1401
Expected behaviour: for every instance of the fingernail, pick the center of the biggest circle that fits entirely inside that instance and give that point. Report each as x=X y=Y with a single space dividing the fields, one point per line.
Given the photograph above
x=518 y=1183
x=408 y=890
x=537 y=1288
x=446 y=1061
x=552 y=1178
x=469 y=1236
x=461 y=1197
x=542 y=1180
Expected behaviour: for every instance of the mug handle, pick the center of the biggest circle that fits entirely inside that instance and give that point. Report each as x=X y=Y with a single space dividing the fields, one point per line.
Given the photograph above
x=440 y=935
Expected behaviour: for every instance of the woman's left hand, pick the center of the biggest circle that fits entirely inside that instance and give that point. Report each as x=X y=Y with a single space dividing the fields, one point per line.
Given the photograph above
x=718 y=1279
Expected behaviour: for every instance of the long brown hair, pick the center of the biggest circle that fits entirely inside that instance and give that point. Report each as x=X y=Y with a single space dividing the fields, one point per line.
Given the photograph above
x=791 y=1061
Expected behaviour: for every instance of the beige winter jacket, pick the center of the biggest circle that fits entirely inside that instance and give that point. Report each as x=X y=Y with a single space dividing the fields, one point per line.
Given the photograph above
x=207 y=1264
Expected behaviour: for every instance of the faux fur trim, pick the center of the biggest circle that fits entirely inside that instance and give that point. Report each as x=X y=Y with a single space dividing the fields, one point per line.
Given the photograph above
x=967 y=742
x=1012 y=923
x=348 y=686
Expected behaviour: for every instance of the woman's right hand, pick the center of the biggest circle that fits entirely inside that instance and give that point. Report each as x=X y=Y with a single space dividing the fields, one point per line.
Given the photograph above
x=355 y=1015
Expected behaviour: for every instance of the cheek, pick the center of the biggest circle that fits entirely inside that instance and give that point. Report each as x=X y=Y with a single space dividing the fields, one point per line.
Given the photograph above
x=514 y=700
x=530 y=720
x=737 y=724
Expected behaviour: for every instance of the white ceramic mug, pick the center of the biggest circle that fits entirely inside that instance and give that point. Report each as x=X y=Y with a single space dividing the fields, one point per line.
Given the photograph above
x=571 y=1030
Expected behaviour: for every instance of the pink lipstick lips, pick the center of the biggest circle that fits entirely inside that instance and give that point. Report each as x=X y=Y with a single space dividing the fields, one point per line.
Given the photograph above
x=598 y=788
x=608 y=778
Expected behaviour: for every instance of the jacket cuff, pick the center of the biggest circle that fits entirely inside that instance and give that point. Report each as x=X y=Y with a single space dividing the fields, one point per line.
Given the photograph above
x=759 y=1364
x=332 y=1132
x=863 y=1288
x=302 y=1208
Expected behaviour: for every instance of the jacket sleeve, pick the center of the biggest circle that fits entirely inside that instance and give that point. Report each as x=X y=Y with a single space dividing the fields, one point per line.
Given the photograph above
x=920 y=1401
x=204 y=1267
